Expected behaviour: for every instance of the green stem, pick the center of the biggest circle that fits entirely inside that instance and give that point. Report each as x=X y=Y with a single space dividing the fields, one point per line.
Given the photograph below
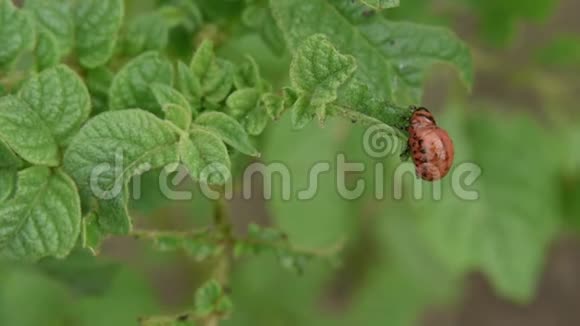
x=358 y=103
x=395 y=117
x=221 y=272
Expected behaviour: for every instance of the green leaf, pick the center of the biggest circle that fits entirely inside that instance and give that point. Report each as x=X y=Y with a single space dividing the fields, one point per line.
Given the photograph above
x=290 y=97
x=91 y=234
x=16 y=32
x=47 y=51
x=499 y=18
x=216 y=76
x=319 y=69
x=81 y=272
x=99 y=82
x=43 y=218
x=206 y=157
x=131 y=86
x=211 y=299
x=229 y=130
x=56 y=18
x=569 y=178
x=260 y=19
x=8 y=179
x=243 y=100
x=111 y=148
x=316 y=72
x=189 y=85
x=302 y=113
x=166 y=95
x=416 y=48
x=178 y=115
x=55 y=29
x=562 y=51
x=218 y=81
x=113 y=214
x=61 y=100
x=183 y=12
x=392 y=57
x=274 y=105
x=381 y=4
x=367 y=108
x=506 y=241
x=255 y=121
x=7 y=157
x=146 y=33
x=97 y=25
x=244 y=104
x=247 y=74
x=202 y=59
x=25 y=133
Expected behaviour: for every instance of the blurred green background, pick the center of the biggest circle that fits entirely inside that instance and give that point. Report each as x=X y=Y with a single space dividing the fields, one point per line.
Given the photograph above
x=512 y=257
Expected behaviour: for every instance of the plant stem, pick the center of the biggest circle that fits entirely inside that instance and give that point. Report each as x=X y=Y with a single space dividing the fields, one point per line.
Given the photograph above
x=221 y=272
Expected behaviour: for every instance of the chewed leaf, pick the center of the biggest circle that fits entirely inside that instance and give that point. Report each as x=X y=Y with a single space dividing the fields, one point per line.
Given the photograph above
x=61 y=100
x=131 y=86
x=43 y=218
x=367 y=108
x=111 y=148
x=392 y=57
x=413 y=49
x=26 y=134
x=319 y=69
x=16 y=32
x=97 y=25
x=206 y=157
x=229 y=130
